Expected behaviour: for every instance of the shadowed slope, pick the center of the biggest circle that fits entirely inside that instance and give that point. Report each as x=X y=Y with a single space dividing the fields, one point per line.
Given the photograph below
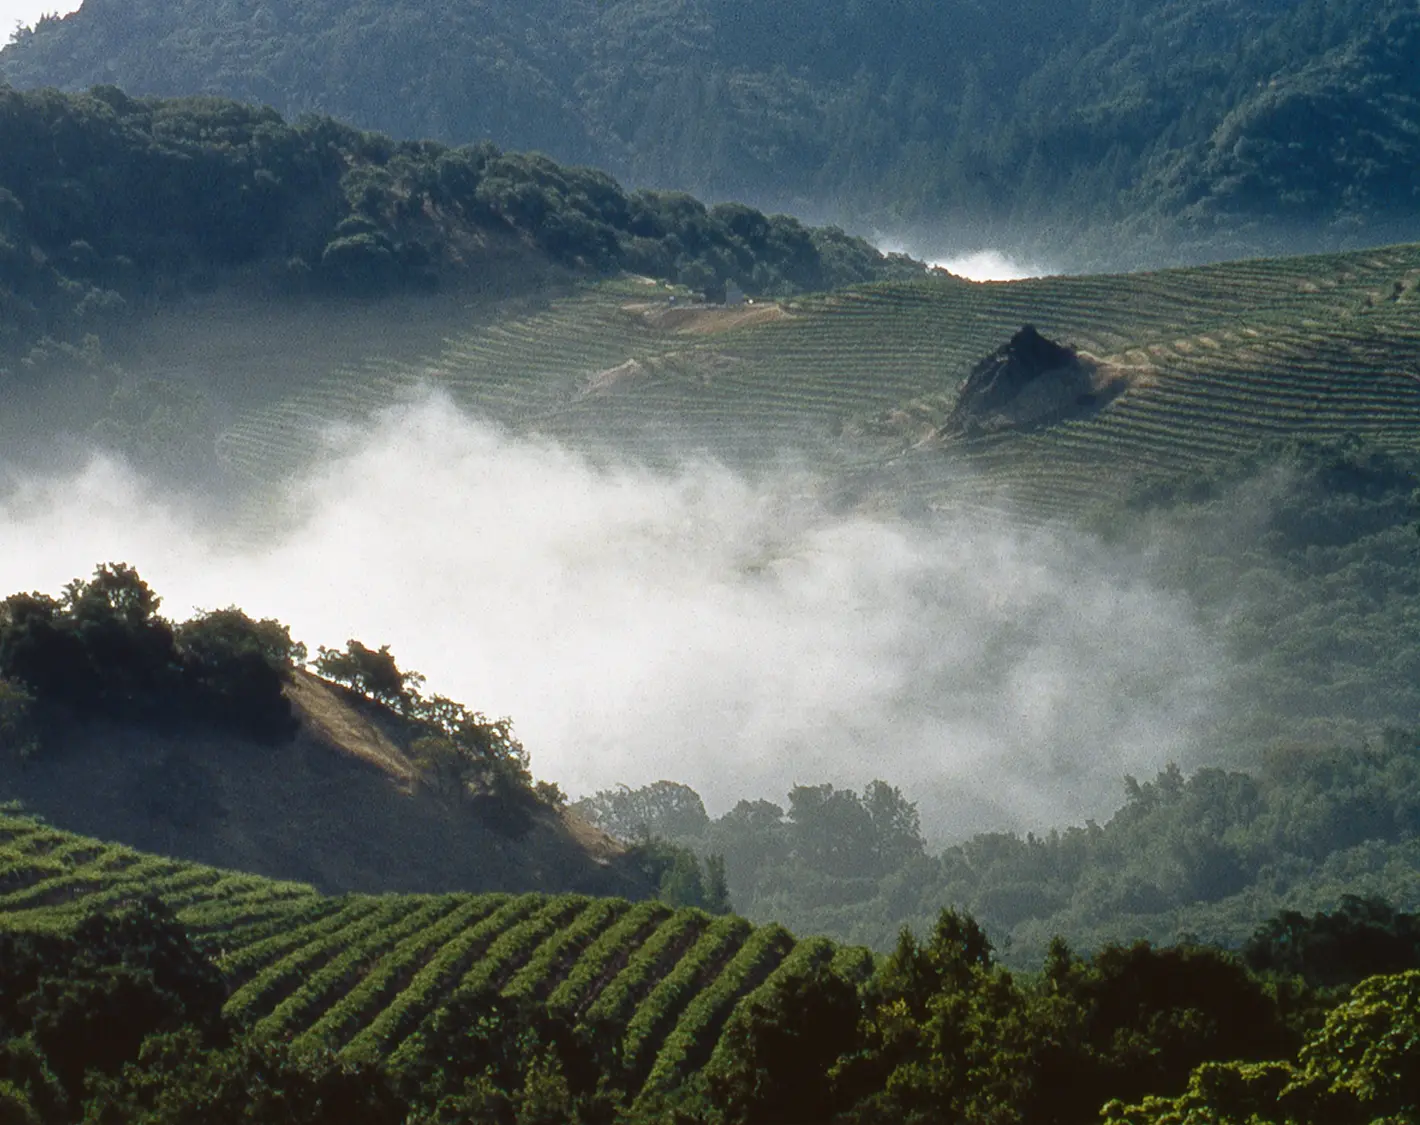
x=338 y=807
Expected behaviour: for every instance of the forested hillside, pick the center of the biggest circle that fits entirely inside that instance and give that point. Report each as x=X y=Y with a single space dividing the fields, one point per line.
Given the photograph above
x=108 y=203
x=1199 y=129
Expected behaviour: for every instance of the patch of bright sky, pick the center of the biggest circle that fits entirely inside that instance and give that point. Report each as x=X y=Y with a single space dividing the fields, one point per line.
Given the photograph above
x=28 y=12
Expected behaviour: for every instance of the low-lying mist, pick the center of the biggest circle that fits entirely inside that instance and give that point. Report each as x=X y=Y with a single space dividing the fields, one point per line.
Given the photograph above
x=979 y=256
x=990 y=265
x=730 y=633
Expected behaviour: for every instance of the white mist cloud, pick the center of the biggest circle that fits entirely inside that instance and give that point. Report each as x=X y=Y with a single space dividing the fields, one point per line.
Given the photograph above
x=697 y=625
x=982 y=264
x=991 y=265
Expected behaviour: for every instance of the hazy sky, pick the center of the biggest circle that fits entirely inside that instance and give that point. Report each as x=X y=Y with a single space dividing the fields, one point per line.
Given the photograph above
x=691 y=625
x=28 y=11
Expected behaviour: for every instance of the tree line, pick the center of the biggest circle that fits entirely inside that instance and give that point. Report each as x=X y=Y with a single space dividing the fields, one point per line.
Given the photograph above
x=110 y=202
x=1200 y=857
x=102 y=651
x=1304 y=559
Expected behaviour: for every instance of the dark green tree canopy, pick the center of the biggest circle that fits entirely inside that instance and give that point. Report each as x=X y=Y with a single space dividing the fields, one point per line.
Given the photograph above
x=1206 y=128
x=108 y=201
x=102 y=650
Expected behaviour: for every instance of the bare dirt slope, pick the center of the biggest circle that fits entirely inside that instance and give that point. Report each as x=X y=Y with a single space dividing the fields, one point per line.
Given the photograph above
x=338 y=806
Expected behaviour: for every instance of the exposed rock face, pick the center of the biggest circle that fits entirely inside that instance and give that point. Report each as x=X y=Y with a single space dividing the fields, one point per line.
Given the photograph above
x=1028 y=381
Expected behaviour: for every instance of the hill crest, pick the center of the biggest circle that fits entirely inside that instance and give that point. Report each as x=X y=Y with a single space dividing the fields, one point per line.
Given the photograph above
x=340 y=806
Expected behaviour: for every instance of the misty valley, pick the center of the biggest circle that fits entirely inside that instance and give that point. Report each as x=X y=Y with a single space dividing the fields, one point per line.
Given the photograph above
x=484 y=639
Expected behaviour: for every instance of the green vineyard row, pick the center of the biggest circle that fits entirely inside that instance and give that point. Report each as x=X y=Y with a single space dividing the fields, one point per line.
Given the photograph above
x=1219 y=358
x=370 y=976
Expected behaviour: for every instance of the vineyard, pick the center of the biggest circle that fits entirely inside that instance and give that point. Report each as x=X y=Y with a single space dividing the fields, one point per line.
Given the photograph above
x=367 y=976
x=857 y=384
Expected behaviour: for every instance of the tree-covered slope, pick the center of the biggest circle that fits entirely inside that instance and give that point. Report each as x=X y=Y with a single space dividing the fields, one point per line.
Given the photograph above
x=1203 y=857
x=108 y=203
x=1200 y=128
x=1302 y=560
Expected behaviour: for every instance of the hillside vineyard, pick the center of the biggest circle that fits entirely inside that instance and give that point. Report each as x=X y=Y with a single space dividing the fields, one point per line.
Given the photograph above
x=366 y=976
x=1215 y=360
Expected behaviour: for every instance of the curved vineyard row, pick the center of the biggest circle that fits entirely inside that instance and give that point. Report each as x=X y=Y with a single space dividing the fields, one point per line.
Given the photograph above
x=1222 y=357
x=372 y=976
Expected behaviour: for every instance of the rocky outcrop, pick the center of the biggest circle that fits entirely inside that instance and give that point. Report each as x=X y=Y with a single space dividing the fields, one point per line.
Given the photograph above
x=1030 y=380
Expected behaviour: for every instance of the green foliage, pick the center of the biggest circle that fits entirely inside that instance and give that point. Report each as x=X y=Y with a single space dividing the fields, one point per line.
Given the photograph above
x=700 y=1027
x=537 y=978
x=1364 y=1063
x=578 y=989
x=656 y=1015
x=1360 y=938
x=15 y=1106
x=1359 y=1068
x=17 y=734
x=435 y=1010
x=176 y=1080
x=663 y=808
x=1302 y=552
x=1137 y=1019
x=88 y=1000
x=145 y=197
x=828 y=835
x=232 y=662
x=372 y=673
x=102 y=650
x=395 y=1029
x=463 y=753
x=682 y=879
x=460 y=754
x=1166 y=122
x=1301 y=556
x=777 y=1055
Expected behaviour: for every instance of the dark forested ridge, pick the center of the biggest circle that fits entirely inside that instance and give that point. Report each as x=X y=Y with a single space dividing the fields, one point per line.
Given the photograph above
x=108 y=202
x=1199 y=129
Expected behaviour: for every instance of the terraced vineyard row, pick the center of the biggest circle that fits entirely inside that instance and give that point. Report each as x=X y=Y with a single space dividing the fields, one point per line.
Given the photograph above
x=369 y=976
x=1220 y=357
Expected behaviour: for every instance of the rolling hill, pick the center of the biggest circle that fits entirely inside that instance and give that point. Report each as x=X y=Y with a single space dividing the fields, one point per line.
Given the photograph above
x=1212 y=361
x=339 y=806
x=367 y=976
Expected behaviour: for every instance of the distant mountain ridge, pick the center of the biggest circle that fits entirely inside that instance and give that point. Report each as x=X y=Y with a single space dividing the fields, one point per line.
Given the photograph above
x=1206 y=129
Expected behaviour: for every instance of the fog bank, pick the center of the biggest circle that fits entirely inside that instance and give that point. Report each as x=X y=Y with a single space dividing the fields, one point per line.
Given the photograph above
x=729 y=633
